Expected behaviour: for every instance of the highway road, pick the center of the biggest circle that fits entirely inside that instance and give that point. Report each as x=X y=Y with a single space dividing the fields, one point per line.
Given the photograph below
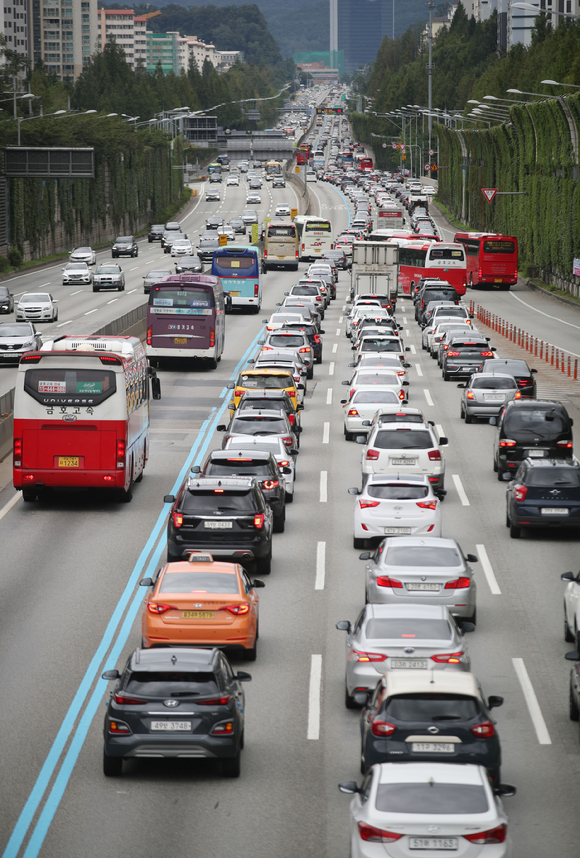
x=71 y=609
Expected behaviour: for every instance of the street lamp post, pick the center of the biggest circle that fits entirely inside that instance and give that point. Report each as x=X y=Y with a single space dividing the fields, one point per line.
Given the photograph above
x=556 y=83
x=56 y=113
x=431 y=6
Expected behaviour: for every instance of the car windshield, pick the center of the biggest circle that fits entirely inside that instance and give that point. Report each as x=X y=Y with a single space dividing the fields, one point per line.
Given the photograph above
x=368 y=397
x=403 y=439
x=433 y=707
x=405 y=629
x=23 y=330
x=541 y=422
x=35 y=299
x=77 y=266
x=553 y=477
x=397 y=491
x=209 y=501
x=199 y=582
x=113 y=269
x=431 y=798
x=149 y=683
x=151 y=276
x=493 y=383
x=124 y=239
x=82 y=250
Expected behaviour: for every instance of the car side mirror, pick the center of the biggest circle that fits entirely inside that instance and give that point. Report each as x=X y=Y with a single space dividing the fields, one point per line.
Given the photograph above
x=110 y=674
x=405 y=384
x=572 y=656
x=264 y=321
x=407 y=349
x=299 y=407
x=195 y=469
x=354 y=364
x=493 y=349
x=348 y=787
x=258 y=584
x=243 y=676
x=472 y=558
x=361 y=439
x=494 y=701
x=300 y=386
x=366 y=423
x=169 y=499
x=346 y=383
x=278 y=304
x=488 y=339
x=353 y=348
x=567 y=576
x=285 y=470
x=462 y=385
x=222 y=427
x=294 y=451
x=443 y=441
x=261 y=342
x=322 y=332
x=505 y=790
x=533 y=370
x=343 y=401
x=146 y=582
x=343 y=626
x=467 y=627
x=230 y=385
x=493 y=421
x=354 y=491
x=366 y=555
x=286 y=293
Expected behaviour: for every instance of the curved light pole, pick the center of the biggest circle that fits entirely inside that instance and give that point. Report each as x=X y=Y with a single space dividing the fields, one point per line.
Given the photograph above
x=556 y=83
x=22 y=119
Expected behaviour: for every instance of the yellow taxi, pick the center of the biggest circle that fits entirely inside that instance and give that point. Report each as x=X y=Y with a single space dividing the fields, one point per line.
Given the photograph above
x=262 y=379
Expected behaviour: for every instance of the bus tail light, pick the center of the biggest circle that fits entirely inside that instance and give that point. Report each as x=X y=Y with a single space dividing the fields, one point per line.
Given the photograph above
x=265 y=252
x=297 y=252
x=17 y=449
x=121 y=450
x=149 y=334
x=480 y=274
x=256 y=290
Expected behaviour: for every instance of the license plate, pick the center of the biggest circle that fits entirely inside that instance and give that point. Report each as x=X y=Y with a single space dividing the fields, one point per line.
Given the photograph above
x=180 y=341
x=233 y=293
x=403 y=461
x=498 y=280
x=281 y=256
x=217 y=525
x=433 y=843
x=490 y=397
x=198 y=615
x=535 y=454
x=68 y=461
x=171 y=726
x=430 y=587
x=394 y=530
x=433 y=747
x=409 y=663
x=548 y=510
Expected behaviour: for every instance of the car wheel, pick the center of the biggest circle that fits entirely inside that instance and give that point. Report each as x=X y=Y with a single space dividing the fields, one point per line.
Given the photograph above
x=310 y=372
x=468 y=417
x=573 y=711
x=495 y=466
x=264 y=564
x=515 y=532
x=280 y=522
x=472 y=619
x=446 y=376
x=349 y=700
x=112 y=766
x=568 y=636
x=499 y=475
x=127 y=494
x=251 y=653
x=121 y=288
x=289 y=497
x=348 y=436
x=495 y=777
x=461 y=412
x=29 y=495
x=232 y=766
x=55 y=318
x=358 y=543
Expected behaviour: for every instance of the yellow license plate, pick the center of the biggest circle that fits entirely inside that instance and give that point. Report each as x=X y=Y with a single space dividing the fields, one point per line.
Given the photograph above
x=68 y=461
x=198 y=615
x=498 y=280
x=234 y=293
x=180 y=341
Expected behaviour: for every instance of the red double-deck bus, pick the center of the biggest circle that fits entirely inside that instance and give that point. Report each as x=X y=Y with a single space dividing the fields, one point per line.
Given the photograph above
x=303 y=153
x=81 y=415
x=441 y=260
x=492 y=258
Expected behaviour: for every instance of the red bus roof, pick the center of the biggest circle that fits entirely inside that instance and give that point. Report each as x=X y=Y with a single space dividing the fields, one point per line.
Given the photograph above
x=462 y=235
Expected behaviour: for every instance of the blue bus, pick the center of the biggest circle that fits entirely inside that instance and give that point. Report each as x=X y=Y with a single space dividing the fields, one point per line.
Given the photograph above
x=238 y=267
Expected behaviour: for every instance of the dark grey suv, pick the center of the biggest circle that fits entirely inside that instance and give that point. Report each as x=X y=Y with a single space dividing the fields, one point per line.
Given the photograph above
x=175 y=702
x=125 y=245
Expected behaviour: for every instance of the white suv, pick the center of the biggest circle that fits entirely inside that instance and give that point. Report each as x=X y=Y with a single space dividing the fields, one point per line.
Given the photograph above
x=406 y=448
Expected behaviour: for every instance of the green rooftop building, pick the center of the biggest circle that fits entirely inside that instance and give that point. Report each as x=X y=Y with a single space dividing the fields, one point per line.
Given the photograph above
x=163 y=48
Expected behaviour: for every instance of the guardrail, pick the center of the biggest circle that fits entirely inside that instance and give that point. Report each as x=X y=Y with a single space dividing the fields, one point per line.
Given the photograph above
x=561 y=359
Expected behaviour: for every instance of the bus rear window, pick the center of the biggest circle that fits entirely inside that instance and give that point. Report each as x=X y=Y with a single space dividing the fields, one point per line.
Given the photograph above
x=281 y=231
x=446 y=253
x=499 y=246
x=318 y=226
x=184 y=299
x=70 y=386
x=229 y=262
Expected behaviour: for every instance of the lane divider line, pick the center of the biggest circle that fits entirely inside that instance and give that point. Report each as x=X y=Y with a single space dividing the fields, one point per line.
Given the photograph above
x=488 y=570
x=335 y=348
x=419 y=370
x=323 y=486
x=326 y=433
x=427 y=396
x=8 y=506
x=320 y=566
x=338 y=332
x=331 y=368
x=314 y=690
x=329 y=396
x=460 y=490
x=532 y=702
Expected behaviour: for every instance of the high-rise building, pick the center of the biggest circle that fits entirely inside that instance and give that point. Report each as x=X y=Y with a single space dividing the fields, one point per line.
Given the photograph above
x=128 y=31
x=15 y=21
x=64 y=35
x=163 y=49
x=360 y=26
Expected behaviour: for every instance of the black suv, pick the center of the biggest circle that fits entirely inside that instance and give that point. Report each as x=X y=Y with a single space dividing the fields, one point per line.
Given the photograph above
x=6 y=300
x=261 y=465
x=544 y=493
x=536 y=429
x=227 y=516
x=125 y=245
x=434 y=293
x=522 y=373
x=155 y=233
x=206 y=248
x=182 y=702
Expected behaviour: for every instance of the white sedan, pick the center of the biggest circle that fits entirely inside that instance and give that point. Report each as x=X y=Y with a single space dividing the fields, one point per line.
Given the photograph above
x=362 y=406
x=37 y=307
x=233 y=180
x=282 y=210
x=182 y=247
x=84 y=254
x=427 y=809
x=395 y=505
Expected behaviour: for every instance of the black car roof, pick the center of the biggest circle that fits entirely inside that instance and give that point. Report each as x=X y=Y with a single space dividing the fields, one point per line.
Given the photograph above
x=553 y=463
x=179 y=659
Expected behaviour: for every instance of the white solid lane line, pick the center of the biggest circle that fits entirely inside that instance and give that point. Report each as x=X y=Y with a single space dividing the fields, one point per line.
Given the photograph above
x=440 y=432
x=427 y=396
x=323 y=486
x=335 y=348
x=331 y=368
x=460 y=490
x=326 y=433
x=419 y=370
x=320 y=566
x=532 y=702
x=78 y=292
x=14 y=500
x=488 y=571
x=329 y=396
x=314 y=690
x=62 y=324
x=413 y=349
x=91 y=311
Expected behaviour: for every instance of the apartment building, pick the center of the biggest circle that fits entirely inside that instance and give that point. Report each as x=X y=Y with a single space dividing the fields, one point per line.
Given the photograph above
x=14 y=23
x=128 y=30
x=64 y=35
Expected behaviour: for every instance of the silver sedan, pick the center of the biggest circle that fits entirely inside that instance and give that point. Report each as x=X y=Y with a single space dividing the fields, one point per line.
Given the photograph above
x=155 y=276
x=484 y=395
x=405 y=570
x=401 y=637
x=83 y=254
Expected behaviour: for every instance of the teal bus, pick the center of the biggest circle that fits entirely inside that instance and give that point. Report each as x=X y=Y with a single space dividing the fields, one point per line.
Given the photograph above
x=238 y=267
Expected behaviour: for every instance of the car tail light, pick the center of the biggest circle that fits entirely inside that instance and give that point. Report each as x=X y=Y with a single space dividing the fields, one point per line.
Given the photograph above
x=270 y=484
x=458 y=583
x=284 y=464
x=453 y=354
x=177 y=519
x=238 y=391
x=353 y=412
x=121 y=449
x=296 y=379
x=292 y=419
x=434 y=456
x=149 y=334
x=123 y=700
x=485 y=730
x=369 y=656
x=317 y=338
x=518 y=395
x=386 y=581
x=520 y=492
x=256 y=289
x=487 y=354
x=224 y=728
x=238 y=610
x=567 y=444
x=157 y=608
x=259 y=521
x=401 y=395
x=470 y=395
x=304 y=350
x=446 y=348
x=372 y=455
x=215 y=701
x=507 y=442
x=367 y=504
x=211 y=338
x=494 y=835
x=120 y=726
x=287 y=440
x=267 y=349
x=427 y=504
x=448 y=658
x=17 y=450
x=382 y=728
x=318 y=298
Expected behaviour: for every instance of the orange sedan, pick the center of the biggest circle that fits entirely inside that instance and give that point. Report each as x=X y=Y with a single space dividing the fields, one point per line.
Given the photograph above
x=202 y=602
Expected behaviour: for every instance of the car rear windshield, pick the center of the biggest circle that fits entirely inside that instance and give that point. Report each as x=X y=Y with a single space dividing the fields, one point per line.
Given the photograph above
x=431 y=798
x=494 y=383
x=379 y=345
x=407 y=629
x=397 y=491
x=368 y=397
x=252 y=424
x=433 y=707
x=553 y=477
x=262 y=444
x=439 y=295
x=387 y=378
x=403 y=439
x=423 y=556
x=267 y=382
x=167 y=684
x=286 y=340
x=199 y=582
x=543 y=422
x=452 y=312
x=238 y=468
x=209 y=501
x=304 y=290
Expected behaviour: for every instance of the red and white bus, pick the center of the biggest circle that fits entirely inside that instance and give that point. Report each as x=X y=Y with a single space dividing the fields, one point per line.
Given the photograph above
x=492 y=258
x=81 y=415
x=437 y=259
x=363 y=162
x=314 y=236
